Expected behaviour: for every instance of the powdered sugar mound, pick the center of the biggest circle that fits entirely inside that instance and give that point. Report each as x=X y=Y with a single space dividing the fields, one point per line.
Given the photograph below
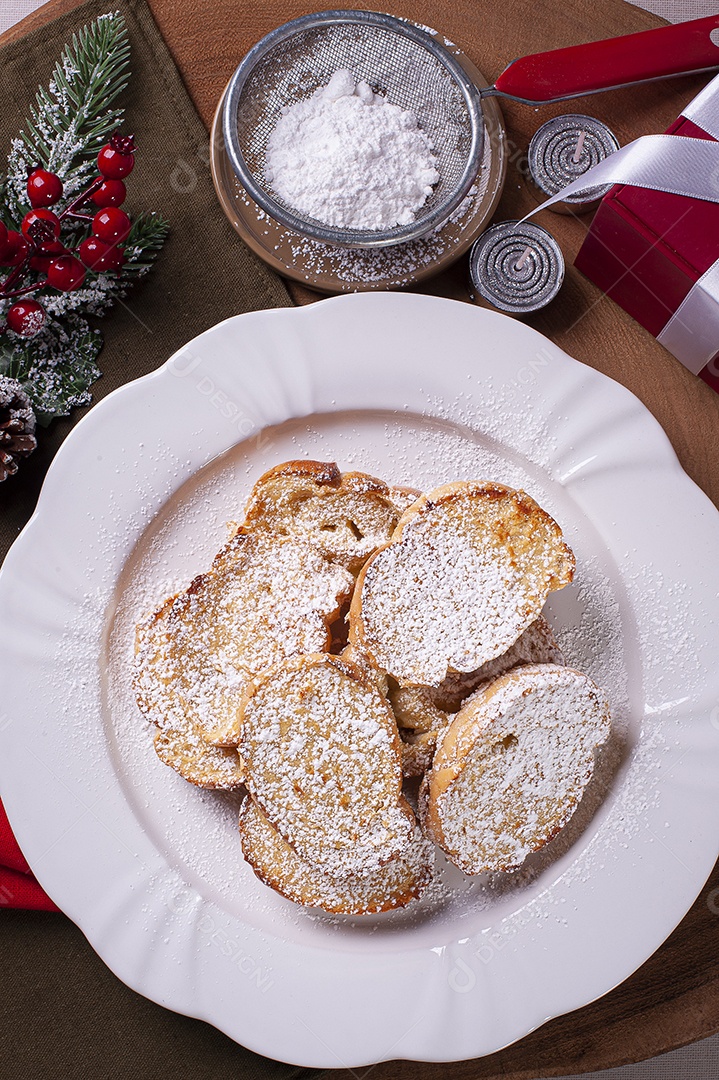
x=350 y=158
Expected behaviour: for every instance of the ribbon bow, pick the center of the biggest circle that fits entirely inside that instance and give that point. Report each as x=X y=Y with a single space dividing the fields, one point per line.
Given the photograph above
x=681 y=166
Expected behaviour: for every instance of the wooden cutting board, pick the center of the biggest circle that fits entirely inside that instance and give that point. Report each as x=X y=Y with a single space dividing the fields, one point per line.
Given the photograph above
x=674 y=998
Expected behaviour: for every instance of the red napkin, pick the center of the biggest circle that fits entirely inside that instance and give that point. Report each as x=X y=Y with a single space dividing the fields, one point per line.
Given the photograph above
x=18 y=888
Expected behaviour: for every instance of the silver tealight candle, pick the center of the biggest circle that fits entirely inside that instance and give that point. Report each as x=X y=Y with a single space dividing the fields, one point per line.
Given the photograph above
x=562 y=150
x=515 y=267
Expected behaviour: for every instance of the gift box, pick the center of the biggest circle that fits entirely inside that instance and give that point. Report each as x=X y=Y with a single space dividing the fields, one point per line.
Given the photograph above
x=647 y=249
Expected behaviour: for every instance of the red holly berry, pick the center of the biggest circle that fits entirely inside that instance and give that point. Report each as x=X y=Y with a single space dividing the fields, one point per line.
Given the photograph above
x=110 y=193
x=40 y=226
x=91 y=250
x=43 y=188
x=99 y=256
x=111 y=225
x=26 y=317
x=114 y=166
x=65 y=273
x=45 y=254
x=117 y=159
x=15 y=250
x=3 y=237
x=40 y=262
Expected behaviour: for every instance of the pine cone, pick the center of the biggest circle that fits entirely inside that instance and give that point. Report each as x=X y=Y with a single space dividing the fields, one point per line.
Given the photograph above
x=17 y=426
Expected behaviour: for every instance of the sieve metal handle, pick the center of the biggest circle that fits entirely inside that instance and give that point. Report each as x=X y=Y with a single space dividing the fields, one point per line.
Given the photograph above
x=559 y=74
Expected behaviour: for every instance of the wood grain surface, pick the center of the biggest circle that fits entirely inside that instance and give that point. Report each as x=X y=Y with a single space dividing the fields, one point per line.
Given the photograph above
x=674 y=998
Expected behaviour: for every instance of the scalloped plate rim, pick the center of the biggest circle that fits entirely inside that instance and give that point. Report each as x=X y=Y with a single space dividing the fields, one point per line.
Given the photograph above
x=133 y=393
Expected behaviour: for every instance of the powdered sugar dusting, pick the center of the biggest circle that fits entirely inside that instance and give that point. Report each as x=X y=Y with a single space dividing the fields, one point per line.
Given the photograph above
x=423 y=712
x=406 y=627
x=198 y=829
x=264 y=599
x=391 y=885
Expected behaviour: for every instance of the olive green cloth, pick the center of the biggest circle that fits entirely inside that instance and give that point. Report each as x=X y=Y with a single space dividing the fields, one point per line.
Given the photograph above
x=62 y=1012
x=65 y=1016
x=204 y=273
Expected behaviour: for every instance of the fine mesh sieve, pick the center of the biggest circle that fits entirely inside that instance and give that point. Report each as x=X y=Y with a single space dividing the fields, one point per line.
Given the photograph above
x=401 y=62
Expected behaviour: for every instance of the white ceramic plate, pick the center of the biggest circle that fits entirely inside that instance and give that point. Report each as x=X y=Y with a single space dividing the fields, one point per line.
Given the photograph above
x=420 y=390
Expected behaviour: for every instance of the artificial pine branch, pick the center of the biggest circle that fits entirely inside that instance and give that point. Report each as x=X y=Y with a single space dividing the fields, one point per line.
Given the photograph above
x=72 y=118
x=142 y=247
x=99 y=292
x=55 y=368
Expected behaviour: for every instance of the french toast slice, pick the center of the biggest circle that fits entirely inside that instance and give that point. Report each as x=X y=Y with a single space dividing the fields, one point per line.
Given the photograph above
x=205 y=766
x=418 y=750
x=278 y=865
x=263 y=599
x=510 y=769
x=346 y=516
x=321 y=752
x=423 y=712
x=403 y=496
x=467 y=570
x=184 y=748
x=424 y=708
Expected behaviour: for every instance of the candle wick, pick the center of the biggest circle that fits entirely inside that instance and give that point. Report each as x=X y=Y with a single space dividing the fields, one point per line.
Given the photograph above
x=523 y=258
x=579 y=146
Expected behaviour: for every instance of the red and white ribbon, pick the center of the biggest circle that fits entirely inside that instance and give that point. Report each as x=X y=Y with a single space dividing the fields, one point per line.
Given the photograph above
x=681 y=166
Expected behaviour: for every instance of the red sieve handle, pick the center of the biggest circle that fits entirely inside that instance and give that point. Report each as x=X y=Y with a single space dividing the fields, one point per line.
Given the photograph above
x=602 y=65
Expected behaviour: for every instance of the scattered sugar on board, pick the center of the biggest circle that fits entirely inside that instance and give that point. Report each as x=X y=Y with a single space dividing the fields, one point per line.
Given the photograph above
x=392 y=266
